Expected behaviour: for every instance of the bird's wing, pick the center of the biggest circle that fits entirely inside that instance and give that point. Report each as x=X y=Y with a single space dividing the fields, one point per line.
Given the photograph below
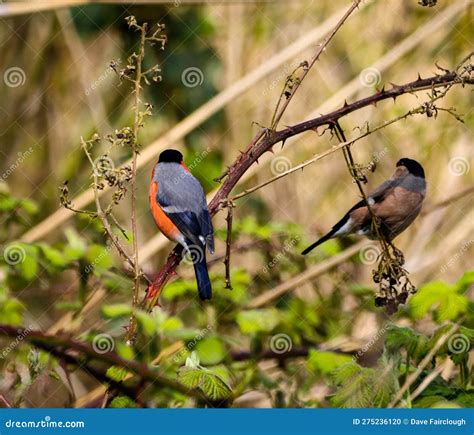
x=359 y=211
x=183 y=201
x=358 y=215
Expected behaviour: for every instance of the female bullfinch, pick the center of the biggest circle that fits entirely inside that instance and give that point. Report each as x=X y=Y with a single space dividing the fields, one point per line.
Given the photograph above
x=179 y=208
x=396 y=202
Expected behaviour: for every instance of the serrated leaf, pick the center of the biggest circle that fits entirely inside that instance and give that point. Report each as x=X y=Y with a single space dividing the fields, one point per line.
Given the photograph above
x=210 y=383
x=443 y=299
x=400 y=337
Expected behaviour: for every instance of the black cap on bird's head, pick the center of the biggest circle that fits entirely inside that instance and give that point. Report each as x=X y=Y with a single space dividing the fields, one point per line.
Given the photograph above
x=412 y=166
x=170 y=156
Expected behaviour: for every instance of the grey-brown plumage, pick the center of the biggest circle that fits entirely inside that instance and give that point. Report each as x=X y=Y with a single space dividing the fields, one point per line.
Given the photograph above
x=396 y=203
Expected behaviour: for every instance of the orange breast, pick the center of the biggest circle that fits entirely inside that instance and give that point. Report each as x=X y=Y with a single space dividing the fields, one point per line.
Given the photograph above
x=162 y=221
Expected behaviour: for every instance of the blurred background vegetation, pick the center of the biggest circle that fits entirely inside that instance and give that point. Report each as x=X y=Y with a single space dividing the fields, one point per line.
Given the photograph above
x=283 y=336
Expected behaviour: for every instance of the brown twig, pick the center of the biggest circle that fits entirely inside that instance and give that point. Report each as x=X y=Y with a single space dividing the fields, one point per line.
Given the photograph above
x=288 y=94
x=228 y=245
x=136 y=126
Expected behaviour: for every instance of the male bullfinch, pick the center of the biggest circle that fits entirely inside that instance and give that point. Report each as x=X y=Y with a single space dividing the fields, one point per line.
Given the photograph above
x=396 y=203
x=179 y=208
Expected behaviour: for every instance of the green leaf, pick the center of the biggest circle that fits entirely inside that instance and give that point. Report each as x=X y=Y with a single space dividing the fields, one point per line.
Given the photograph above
x=210 y=383
x=76 y=247
x=117 y=373
x=99 y=257
x=465 y=281
x=211 y=350
x=399 y=337
x=255 y=321
x=54 y=257
x=147 y=322
x=443 y=299
x=326 y=362
x=29 y=266
x=122 y=402
x=11 y=311
x=117 y=310
x=124 y=351
x=364 y=387
x=29 y=206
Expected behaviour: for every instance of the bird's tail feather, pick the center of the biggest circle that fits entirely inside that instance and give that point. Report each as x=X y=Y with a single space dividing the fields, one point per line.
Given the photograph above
x=320 y=241
x=202 y=279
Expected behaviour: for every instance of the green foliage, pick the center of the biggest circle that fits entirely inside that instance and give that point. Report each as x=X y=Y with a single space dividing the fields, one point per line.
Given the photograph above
x=211 y=350
x=445 y=301
x=415 y=344
x=255 y=321
x=193 y=375
x=122 y=402
x=360 y=387
x=326 y=362
x=117 y=373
